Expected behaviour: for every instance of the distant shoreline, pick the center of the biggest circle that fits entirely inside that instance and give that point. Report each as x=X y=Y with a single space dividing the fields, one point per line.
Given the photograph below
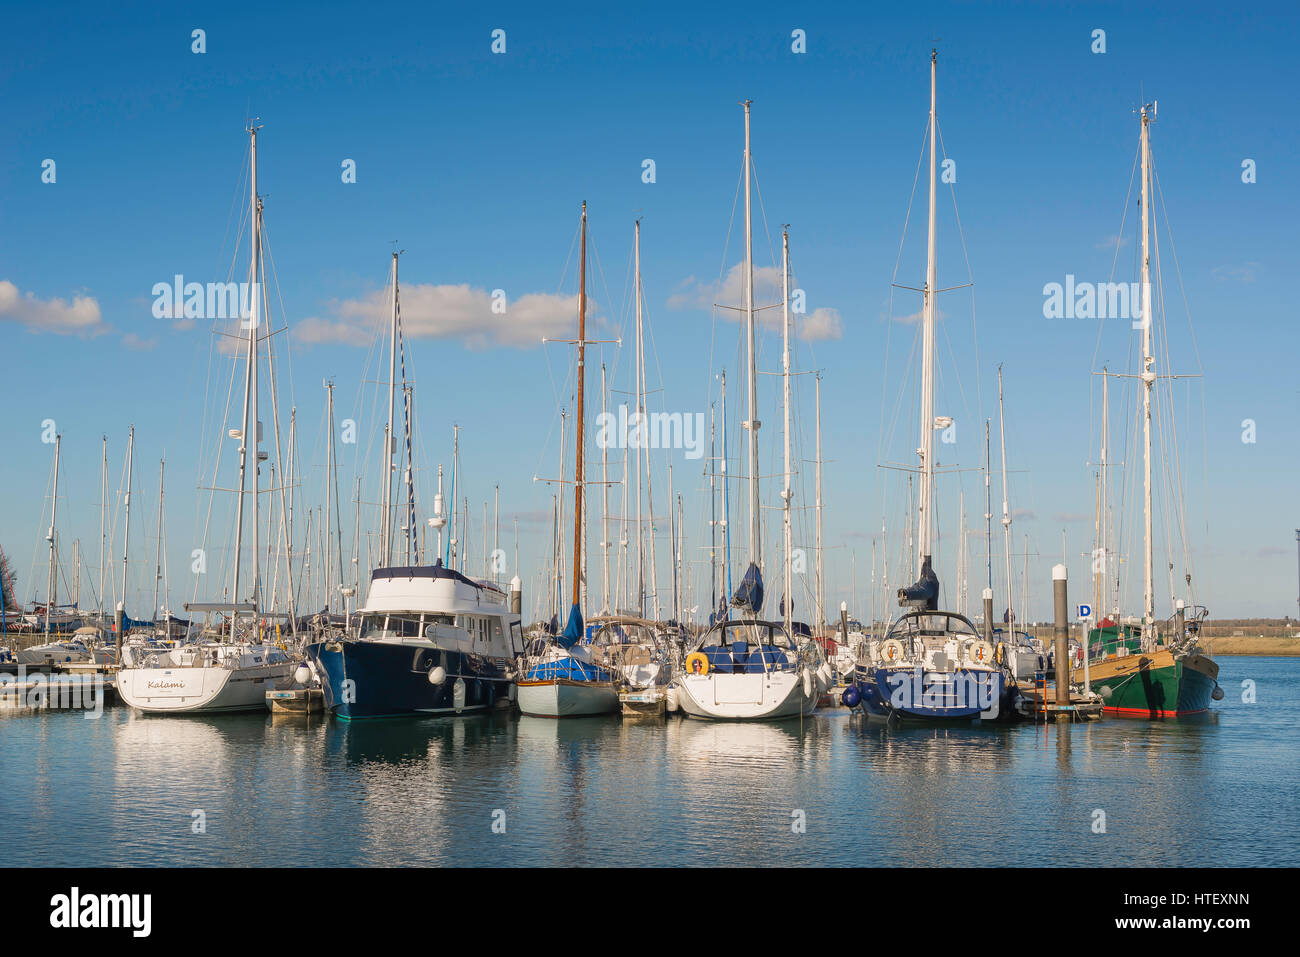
x=1242 y=645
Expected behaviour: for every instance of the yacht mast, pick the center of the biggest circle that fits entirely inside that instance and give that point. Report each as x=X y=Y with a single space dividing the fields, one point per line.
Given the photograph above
x=578 y=415
x=786 y=493
x=752 y=424
x=821 y=570
x=386 y=540
x=673 y=553
x=54 y=515
x=126 y=538
x=1006 y=529
x=450 y=552
x=1105 y=506
x=924 y=522
x=988 y=510
x=332 y=501
x=644 y=431
x=1148 y=383
x=158 y=565
x=641 y=427
x=251 y=426
x=103 y=530
x=604 y=496
x=726 y=503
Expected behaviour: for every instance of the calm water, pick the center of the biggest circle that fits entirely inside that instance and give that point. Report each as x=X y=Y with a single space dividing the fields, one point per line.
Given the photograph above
x=122 y=789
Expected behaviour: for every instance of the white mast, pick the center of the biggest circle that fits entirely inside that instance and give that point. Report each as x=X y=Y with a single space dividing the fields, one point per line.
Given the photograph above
x=752 y=425
x=604 y=495
x=644 y=433
x=821 y=573
x=453 y=540
x=249 y=433
x=559 y=524
x=1010 y=638
x=1148 y=382
x=329 y=497
x=126 y=534
x=54 y=515
x=786 y=492
x=158 y=564
x=103 y=531
x=962 y=568
x=924 y=522
x=640 y=419
x=334 y=539
x=390 y=442
x=623 y=597
x=1104 y=517
x=672 y=542
x=726 y=497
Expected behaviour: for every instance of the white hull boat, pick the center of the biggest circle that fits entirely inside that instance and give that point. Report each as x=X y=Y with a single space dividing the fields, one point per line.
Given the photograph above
x=751 y=670
x=745 y=697
x=54 y=653
x=563 y=698
x=205 y=678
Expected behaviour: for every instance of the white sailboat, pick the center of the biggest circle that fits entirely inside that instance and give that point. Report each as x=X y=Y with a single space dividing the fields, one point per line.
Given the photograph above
x=232 y=668
x=746 y=668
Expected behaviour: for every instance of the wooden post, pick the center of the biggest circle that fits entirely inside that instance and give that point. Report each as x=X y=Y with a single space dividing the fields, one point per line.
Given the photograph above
x=1062 y=635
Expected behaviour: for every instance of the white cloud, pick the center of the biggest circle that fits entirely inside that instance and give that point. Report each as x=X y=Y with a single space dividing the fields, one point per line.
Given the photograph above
x=79 y=317
x=139 y=344
x=824 y=322
x=1245 y=272
x=432 y=311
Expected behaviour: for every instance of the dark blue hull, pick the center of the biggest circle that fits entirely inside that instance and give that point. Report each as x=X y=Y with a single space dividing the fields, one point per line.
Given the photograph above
x=911 y=694
x=375 y=679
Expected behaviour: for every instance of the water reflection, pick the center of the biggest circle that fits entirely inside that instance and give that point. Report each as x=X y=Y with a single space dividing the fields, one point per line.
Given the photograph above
x=829 y=789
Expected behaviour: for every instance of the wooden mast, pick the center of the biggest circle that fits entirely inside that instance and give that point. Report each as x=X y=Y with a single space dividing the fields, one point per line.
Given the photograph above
x=577 y=471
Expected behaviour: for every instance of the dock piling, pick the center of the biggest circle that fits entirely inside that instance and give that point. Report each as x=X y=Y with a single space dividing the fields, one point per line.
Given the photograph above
x=1062 y=654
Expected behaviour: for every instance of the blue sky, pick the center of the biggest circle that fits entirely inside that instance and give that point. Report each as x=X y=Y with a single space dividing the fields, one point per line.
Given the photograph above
x=476 y=164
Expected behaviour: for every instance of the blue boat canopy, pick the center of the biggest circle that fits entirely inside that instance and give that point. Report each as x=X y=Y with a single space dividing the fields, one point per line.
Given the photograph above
x=750 y=592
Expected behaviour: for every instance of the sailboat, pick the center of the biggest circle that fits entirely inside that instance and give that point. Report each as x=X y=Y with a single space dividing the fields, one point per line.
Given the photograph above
x=48 y=618
x=232 y=667
x=932 y=665
x=432 y=640
x=565 y=679
x=1148 y=672
x=747 y=668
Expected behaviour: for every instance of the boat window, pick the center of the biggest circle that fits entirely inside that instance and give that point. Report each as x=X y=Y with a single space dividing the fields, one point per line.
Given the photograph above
x=390 y=626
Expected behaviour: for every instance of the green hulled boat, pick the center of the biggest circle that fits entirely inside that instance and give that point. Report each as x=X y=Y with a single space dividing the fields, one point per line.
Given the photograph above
x=1168 y=681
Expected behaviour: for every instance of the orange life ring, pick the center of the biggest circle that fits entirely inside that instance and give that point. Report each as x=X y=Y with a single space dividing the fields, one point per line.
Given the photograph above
x=697 y=663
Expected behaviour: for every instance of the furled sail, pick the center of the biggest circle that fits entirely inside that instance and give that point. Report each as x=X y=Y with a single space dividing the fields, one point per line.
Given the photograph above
x=924 y=592
x=572 y=633
x=750 y=592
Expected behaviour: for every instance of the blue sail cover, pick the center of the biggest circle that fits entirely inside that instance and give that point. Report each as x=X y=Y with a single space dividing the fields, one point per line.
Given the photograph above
x=572 y=633
x=750 y=592
x=924 y=592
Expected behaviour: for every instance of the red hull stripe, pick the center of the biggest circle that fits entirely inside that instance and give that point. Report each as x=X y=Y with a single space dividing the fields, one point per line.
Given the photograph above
x=1147 y=712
